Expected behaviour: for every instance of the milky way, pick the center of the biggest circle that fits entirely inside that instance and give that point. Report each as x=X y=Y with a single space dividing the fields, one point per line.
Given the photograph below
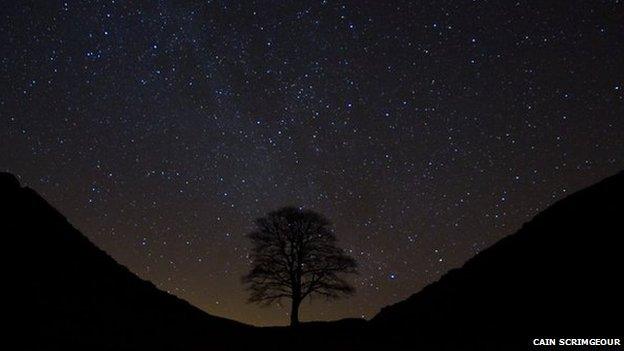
x=424 y=131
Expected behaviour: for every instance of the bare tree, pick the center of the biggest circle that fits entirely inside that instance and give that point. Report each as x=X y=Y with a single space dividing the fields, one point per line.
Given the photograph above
x=295 y=256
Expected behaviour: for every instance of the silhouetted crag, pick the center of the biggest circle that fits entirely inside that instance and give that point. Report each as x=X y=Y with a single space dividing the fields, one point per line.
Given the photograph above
x=72 y=295
x=559 y=275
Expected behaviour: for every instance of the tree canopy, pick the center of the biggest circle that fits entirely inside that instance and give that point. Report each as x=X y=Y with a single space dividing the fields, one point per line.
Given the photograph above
x=294 y=256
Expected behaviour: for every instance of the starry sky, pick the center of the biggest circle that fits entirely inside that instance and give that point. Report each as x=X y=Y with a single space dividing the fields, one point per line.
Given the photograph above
x=424 y=130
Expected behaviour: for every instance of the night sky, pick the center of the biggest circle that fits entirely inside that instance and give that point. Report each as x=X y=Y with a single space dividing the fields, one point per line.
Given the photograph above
x=424 y=131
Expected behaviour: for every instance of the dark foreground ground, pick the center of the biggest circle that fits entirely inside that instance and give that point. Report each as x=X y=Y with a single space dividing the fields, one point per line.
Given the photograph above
x=558 y=276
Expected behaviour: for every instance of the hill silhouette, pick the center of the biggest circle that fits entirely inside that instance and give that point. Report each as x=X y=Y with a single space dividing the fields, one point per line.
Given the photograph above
x=72 y=294
x=558 y=276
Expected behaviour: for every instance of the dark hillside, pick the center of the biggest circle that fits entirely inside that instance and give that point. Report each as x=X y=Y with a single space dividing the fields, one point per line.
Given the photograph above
x=72 y=293
x=559 y=275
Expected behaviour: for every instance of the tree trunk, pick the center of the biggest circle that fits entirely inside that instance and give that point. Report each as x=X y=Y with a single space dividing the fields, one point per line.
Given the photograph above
x=294 y=312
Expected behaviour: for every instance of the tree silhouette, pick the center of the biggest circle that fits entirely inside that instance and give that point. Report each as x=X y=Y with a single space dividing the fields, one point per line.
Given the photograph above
x=295 y=256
